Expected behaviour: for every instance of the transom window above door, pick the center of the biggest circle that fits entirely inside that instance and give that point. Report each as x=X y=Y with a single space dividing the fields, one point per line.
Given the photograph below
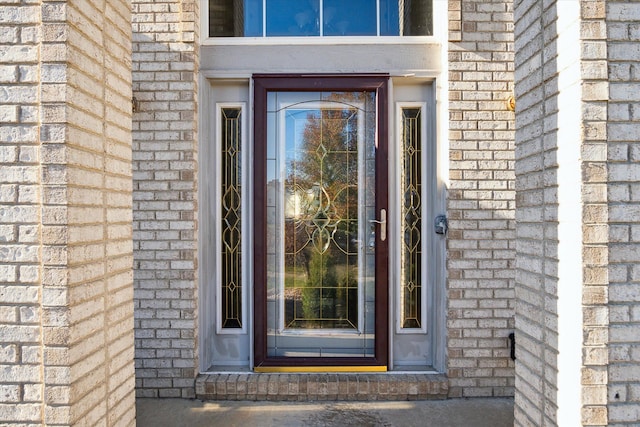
x=320 y=18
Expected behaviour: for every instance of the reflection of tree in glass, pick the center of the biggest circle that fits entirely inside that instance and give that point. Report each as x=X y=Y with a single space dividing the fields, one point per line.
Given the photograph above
x=321 y=232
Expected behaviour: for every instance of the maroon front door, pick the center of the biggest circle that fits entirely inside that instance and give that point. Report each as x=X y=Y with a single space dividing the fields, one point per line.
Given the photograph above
x=320 y=209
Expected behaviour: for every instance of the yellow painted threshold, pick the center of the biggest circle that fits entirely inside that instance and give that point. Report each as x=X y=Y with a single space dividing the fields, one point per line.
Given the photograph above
x=318 y=369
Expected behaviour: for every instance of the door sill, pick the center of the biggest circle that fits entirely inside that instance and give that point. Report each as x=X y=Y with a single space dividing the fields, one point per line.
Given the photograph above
x=311 y=387
x=318 y=369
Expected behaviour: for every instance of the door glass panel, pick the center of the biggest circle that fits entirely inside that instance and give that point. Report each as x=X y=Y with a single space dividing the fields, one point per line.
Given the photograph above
x=320 y=238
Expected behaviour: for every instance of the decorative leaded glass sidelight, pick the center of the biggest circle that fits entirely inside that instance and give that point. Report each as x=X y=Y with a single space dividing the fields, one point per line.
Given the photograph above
x=411 y=244
x=231 y=190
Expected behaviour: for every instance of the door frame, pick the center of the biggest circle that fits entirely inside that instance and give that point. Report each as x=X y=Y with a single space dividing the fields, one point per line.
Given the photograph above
x=264 y=83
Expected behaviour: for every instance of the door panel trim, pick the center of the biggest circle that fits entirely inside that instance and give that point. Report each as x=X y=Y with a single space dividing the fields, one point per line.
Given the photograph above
x=264 y=83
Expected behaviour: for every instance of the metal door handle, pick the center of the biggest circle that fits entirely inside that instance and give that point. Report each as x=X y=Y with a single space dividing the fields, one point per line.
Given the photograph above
x=383 y=224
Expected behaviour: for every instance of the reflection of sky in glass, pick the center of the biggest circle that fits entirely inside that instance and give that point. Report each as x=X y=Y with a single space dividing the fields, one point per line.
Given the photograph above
x=389 y=22
x=351 y=18
x=331 y=18
x=302 y=18
x=296 y=123
x=293 y=18
x=253 y=18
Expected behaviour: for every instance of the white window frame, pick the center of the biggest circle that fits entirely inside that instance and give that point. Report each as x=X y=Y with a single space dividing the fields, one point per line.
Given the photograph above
x=439 y=28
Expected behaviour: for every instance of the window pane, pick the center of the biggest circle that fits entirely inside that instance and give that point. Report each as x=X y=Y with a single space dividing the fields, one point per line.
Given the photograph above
x=244 y=18
x=252 y=18
x=417 y=17
x=350 y=18
x=231 y=195
x=235 y=18
x=293 y=18
x=389 y=18
x=222 y=19
x=411 y=261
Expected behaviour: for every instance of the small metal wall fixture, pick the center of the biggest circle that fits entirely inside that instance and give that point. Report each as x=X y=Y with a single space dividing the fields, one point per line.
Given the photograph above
x=441 y=224
x=511 y=103
x=512 y=344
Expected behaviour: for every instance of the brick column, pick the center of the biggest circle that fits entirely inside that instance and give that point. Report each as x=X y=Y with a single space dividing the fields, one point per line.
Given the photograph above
x=593 y=152
x=21 y=362
x=165 y=196
x=562 y=232
x=67 y=311
x=623 y=130
x=481 y=239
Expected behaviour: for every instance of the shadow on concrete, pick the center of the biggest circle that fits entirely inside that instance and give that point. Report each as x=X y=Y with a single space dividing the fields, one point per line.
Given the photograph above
x=479 y=412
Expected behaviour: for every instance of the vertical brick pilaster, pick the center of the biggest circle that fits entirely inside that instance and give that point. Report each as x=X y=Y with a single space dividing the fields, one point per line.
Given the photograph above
x=89 y=376
x=481 y=201
x=20 y=208
x=563 y=231
x=55 y=233
x=165 y=66
x=65 y=203
x=623 y=190
x=595 y=231
x=536 y=215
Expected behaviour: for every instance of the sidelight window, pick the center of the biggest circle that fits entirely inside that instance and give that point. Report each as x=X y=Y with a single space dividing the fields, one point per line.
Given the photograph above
x=230 y=287
x=412 y=274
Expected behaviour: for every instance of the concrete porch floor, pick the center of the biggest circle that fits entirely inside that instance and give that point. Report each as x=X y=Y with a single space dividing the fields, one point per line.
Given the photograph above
x=477 y=412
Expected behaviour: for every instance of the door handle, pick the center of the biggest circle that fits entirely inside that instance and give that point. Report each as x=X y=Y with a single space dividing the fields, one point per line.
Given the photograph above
x=383 y=224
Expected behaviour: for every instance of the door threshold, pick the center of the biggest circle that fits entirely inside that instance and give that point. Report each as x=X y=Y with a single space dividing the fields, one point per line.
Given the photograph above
x=318 y=369
x=309 y=387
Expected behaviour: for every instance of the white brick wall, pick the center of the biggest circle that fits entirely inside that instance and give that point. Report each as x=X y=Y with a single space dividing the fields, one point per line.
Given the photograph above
x=561 y=311
x=593 y=69
x=165 y=203
x=532 y=374
x=481 y=199
x=65 y=214
x=20 y=272
x=624 y=222
x=99 y=247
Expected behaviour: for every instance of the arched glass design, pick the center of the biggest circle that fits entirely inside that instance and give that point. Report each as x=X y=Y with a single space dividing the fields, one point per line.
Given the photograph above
x=320 y=200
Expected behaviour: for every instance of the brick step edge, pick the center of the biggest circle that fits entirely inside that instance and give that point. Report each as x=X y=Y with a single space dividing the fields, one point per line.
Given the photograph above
x=321 y=387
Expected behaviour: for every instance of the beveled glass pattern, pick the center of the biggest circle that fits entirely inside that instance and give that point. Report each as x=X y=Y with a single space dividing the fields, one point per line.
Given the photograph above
x=320 y=200
x=321 y=219
x=231 y=190
x=411 y=256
